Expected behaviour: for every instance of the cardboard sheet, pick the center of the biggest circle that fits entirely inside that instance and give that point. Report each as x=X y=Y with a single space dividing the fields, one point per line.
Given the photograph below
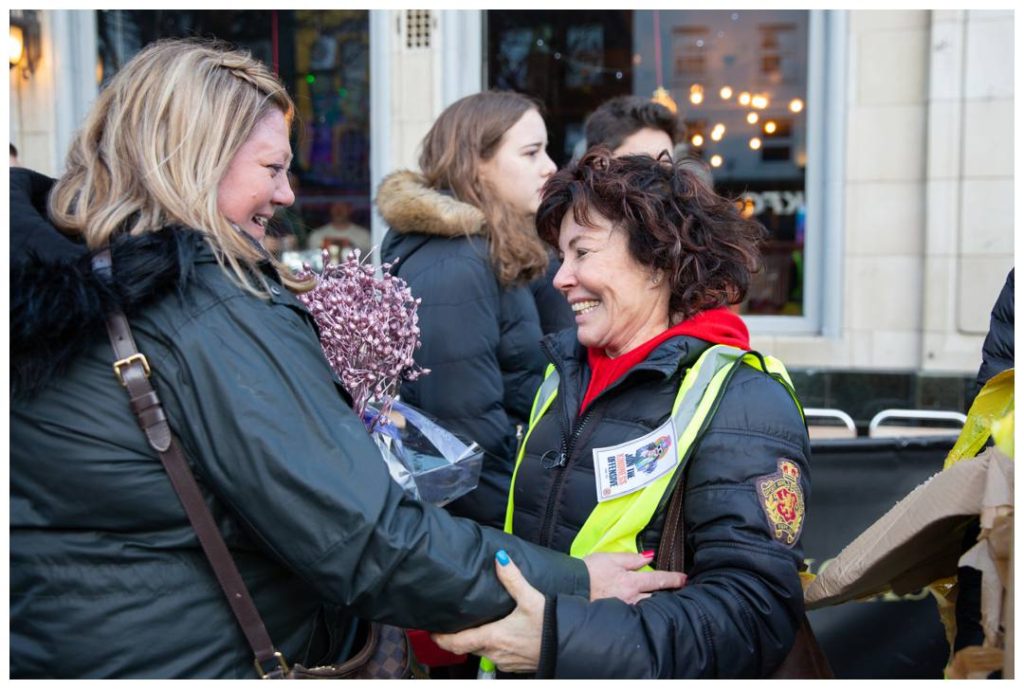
x=919 y=540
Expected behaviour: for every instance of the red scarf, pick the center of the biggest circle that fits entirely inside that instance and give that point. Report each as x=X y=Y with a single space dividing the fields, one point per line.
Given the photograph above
x=718 y=326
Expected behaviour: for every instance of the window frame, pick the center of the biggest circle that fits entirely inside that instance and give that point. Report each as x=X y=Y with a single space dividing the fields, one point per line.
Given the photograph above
x=823 y=184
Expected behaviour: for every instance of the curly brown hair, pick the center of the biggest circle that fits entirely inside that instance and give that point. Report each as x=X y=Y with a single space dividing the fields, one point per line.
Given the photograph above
x=674 y=221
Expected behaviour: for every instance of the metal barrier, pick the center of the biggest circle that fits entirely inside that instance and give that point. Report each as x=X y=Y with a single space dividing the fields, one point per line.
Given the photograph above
x=877 y=430
x=821 y=431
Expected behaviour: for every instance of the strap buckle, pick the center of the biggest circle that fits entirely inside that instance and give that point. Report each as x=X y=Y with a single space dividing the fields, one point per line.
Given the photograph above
x=279 y=672
x=128 y=361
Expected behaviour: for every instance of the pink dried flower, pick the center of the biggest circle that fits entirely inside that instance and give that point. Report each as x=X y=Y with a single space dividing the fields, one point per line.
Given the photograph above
x=368 y=330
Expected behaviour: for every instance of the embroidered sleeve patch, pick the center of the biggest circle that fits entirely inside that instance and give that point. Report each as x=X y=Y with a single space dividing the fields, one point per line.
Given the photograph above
x=783 y=502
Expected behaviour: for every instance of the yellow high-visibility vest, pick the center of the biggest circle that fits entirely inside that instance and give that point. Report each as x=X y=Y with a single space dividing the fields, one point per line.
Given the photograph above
x=614 y=525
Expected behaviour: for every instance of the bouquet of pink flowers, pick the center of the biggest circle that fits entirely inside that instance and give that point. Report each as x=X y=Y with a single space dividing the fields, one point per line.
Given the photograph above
x=368 y=333
x=368 y=330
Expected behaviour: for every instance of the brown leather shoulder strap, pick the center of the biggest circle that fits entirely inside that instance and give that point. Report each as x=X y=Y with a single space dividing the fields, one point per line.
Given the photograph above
x=132 y=371
x=672 y=547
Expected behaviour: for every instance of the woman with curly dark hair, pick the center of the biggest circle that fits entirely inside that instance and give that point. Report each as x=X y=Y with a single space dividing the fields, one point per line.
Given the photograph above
x=656 y=428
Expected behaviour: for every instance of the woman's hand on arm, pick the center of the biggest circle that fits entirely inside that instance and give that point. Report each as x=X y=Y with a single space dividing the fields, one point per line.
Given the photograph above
x=513 y=642
x=614 y=575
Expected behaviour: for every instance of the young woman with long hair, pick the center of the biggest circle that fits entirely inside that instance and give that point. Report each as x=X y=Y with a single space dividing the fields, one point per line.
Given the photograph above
x=463 y=232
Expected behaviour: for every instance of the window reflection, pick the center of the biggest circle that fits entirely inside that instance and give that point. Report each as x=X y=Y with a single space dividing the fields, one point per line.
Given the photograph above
x=738 y=79
x=323 y=59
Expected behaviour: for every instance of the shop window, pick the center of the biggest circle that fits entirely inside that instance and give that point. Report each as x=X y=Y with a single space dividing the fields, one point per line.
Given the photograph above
x=740 y=82
x=570 y=60
x=323 y=59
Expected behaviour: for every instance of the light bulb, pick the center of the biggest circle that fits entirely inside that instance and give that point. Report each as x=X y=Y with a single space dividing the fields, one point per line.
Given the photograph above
x=15 y=44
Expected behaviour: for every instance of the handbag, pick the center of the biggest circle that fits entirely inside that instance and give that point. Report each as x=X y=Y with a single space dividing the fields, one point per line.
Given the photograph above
x=385 y=653
x=805 y=660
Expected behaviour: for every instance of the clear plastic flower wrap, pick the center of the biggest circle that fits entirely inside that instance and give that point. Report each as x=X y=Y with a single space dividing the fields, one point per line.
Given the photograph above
x=429 y=462
x=368 y=332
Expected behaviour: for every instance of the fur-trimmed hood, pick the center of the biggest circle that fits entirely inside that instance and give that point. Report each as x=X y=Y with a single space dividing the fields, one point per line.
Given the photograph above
x=408 y=205
x=31 y=231
x=59 y=306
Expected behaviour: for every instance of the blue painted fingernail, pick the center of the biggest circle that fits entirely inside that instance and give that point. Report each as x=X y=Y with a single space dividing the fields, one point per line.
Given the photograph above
x=502 y=558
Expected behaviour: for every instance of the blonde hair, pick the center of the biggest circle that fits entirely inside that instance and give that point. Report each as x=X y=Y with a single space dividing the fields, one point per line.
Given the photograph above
x=157 y=143
x=468 y=132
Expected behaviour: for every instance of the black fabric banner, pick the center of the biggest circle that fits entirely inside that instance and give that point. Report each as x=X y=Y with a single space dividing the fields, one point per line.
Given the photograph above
x=853 y=483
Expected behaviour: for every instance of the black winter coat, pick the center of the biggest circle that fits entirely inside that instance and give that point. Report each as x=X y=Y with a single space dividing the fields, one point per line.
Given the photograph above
x=107 y=578
x=738 y=614
x=997 y=350
x=480 y=340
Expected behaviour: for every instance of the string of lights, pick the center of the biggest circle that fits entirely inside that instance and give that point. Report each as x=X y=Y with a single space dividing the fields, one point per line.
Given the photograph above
x=757 y=104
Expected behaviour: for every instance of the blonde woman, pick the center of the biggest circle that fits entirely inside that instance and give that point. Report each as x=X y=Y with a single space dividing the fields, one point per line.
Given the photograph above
x=463 y=232
x=179 y=167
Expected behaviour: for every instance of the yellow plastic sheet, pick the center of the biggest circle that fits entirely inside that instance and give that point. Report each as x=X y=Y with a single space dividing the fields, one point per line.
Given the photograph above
x=992 y=404
x=1002 y=434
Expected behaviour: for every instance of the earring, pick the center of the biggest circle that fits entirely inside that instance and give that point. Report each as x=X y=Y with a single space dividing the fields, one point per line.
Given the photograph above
x=656 y=279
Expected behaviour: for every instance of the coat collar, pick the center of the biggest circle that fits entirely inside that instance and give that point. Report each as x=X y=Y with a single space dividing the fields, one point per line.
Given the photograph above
x=408 y=206
x=570 y=359
x=563 y=349
x=58 y=305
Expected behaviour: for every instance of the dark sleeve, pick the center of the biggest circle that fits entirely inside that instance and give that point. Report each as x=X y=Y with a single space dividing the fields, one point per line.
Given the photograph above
x=260 y=413
x=739 y=612
x=997 y=350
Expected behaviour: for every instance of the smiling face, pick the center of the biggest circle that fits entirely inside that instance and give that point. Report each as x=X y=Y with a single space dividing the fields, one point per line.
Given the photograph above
x=518 y=169
x=646 y=141
x=619 y=304
x=256 y=182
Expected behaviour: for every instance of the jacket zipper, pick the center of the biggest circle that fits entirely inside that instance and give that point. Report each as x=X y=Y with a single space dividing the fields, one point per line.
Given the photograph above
x=565 y=423
x=547 y=528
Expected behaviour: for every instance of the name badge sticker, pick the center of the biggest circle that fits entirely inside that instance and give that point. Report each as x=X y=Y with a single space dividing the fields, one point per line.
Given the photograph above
x=623 y=469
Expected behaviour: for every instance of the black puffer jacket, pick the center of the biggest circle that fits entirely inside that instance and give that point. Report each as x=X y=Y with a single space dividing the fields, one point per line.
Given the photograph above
x=997 y=350
x=106 y=575
x=738 y=613
x=481 y=341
